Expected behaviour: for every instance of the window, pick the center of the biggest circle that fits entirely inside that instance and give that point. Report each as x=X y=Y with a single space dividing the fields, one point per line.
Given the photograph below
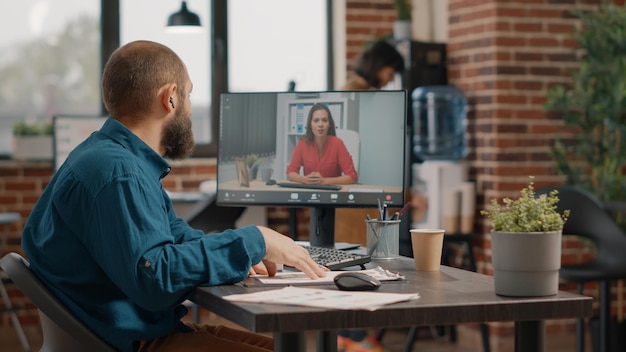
x=49 y=62
x=273 y=42
x=146 y=19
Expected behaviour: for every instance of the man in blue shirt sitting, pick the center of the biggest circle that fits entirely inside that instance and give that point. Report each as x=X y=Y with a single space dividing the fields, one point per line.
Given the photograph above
x=104 y=236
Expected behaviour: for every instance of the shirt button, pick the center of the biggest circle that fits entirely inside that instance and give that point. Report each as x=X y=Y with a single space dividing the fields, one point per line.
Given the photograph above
x=147 y=264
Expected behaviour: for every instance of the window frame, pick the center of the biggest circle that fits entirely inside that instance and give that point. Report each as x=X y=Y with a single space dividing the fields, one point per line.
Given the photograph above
x=218 y=26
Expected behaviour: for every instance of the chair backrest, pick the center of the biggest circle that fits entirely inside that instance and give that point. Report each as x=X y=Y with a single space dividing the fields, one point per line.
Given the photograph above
x=591 y=219
x=351 y=139
x=62 y=331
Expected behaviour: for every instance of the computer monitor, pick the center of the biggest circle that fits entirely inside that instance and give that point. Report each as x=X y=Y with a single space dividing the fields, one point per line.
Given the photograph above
x=258 y=133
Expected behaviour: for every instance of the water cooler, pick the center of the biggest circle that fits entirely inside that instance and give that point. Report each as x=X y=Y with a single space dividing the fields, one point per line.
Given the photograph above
x=437 y=123
x=439 y=177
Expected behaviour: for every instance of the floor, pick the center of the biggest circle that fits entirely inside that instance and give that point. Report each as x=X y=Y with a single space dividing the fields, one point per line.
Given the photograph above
x=394 y=339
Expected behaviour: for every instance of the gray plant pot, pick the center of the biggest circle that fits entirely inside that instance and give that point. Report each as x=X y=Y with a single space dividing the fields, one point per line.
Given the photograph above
x=402 y=30
x=526 y=264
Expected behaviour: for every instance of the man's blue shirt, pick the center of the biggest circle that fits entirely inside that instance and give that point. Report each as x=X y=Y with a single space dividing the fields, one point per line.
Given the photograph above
x=104 y=238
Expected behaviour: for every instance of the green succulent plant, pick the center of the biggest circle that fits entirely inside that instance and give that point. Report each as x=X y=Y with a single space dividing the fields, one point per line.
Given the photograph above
x=528 y=213
x=251 y=160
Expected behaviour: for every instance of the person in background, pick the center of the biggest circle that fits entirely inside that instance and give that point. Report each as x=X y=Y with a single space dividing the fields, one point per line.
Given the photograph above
x=104 y=237
x=322 y=156
x=374 y=69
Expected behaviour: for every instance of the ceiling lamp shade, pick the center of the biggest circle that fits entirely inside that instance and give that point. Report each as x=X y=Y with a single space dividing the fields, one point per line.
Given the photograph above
x=183 y=19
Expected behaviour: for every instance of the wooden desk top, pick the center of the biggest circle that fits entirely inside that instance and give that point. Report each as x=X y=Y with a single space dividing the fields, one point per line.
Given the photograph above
x=448 y=297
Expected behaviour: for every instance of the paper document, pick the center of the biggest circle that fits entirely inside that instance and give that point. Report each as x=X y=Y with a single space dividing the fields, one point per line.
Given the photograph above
x=300 y=278
x=320 y=298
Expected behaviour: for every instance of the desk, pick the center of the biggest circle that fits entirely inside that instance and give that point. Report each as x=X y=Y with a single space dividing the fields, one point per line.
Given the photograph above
x=448 y=297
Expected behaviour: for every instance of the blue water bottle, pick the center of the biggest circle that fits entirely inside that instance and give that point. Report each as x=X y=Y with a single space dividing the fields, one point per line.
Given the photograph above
x=439 y=122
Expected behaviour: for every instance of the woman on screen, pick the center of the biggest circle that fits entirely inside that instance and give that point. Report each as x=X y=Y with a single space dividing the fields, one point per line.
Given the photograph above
x=324 y=158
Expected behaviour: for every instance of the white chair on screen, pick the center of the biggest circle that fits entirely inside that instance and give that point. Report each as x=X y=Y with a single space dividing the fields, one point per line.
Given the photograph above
x=353 y=143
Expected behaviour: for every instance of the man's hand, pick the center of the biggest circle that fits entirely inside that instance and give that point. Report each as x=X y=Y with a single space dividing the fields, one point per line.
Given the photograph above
x=283 y=250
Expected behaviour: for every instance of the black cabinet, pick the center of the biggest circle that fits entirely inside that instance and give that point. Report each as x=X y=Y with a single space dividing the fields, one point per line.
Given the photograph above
x=425 y=64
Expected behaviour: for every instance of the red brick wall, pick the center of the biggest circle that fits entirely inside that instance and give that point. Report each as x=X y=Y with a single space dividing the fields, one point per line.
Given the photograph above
x=21 y=185
x=367 y=21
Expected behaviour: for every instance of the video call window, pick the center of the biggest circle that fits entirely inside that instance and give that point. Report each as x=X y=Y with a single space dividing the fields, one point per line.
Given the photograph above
x=258 y=133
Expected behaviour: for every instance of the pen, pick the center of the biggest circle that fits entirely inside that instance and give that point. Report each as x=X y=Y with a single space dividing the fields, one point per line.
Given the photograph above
x=398 y=215
x=371 y=225
x=404 y=209
x=384 y=212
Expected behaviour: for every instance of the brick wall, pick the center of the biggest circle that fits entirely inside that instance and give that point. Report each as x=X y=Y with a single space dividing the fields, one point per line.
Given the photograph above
x=367 y=21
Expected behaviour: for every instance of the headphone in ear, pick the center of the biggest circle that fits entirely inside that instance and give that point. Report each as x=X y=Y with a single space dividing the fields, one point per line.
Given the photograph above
x=172 y=103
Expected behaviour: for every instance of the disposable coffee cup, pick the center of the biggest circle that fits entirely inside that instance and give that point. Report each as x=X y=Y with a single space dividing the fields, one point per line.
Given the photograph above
x=427 y=248
x=383 y=238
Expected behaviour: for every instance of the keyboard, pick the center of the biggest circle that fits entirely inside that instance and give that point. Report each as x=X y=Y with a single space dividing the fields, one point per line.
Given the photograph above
x=303 y=185
x=335 y=259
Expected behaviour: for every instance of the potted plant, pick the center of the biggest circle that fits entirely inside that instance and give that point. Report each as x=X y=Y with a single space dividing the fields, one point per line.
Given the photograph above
x=252 y=162
x=526 y=243
x=32 y=140
x=402 y=25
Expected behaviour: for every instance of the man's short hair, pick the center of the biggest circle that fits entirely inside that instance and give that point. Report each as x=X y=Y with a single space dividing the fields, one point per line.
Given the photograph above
x=135 y=72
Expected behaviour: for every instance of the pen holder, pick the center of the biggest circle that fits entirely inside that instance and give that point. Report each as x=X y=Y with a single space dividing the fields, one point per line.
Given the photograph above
x=382 y=238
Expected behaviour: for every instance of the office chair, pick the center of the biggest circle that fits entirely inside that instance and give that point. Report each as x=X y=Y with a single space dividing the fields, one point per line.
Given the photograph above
x=591 y=219
x=352 y=142
x=62 y=331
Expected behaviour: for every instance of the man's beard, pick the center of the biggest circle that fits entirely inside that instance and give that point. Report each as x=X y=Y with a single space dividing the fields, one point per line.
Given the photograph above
x=177 y=137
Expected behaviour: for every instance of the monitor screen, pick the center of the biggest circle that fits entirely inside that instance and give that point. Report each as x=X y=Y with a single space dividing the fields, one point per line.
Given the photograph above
x=265 y=153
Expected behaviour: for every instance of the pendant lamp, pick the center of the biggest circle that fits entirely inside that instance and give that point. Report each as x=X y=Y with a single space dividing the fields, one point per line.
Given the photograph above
x=184 y=21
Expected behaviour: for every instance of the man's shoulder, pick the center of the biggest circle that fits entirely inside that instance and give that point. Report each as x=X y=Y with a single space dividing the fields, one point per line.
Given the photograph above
x=102 y=161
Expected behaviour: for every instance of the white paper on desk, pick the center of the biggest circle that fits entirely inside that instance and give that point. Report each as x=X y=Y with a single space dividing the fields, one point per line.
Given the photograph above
x=300 y=278
x=320 y=298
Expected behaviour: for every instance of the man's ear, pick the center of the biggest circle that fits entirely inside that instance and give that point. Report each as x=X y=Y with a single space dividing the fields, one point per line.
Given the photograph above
x=169 y=97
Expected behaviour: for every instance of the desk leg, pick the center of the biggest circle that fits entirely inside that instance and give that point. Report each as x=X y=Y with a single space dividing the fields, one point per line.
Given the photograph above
x=605 y=315
x=327 y=341
x=289 y=342
x=530 y=336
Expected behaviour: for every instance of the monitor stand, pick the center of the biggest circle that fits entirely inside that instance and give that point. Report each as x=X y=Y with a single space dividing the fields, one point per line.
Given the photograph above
x=322 y=227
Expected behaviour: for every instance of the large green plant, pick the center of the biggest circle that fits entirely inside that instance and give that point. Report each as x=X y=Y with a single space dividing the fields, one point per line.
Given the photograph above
x=595 y=102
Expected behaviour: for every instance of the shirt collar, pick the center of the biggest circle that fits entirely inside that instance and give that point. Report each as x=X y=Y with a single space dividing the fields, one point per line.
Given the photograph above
x=127 y=139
